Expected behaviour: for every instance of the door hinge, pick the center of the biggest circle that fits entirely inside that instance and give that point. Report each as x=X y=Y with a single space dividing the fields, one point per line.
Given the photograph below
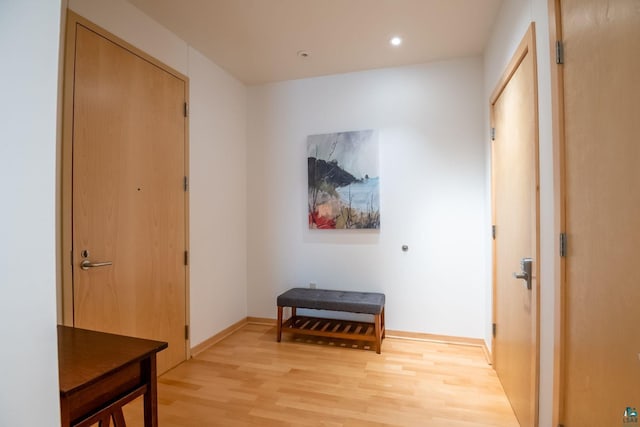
x=186 y=183
x=559 y=52
x=493 y=134
x=493 y=330
x=563 y=244
x=186 y=257
x=186 y=109
x=186 y=332
x=493 y=232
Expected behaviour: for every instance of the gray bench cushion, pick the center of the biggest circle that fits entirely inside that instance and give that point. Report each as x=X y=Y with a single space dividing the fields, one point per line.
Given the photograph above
x=323 y=299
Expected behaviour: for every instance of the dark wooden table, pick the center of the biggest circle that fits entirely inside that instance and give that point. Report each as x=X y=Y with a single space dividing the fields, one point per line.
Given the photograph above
x=100 y=373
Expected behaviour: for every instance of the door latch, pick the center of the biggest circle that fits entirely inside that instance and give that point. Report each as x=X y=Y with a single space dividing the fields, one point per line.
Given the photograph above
x=526 y=265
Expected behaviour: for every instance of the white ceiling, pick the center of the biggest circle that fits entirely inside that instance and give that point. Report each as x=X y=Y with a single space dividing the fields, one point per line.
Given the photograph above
x=257 y=40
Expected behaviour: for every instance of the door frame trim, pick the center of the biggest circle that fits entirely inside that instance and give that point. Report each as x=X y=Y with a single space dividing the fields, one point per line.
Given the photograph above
x=527 y=46
x=559 y=212
x=66 y=172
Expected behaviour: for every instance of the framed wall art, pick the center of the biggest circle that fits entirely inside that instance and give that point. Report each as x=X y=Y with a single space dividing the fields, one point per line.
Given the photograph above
x=343 y=180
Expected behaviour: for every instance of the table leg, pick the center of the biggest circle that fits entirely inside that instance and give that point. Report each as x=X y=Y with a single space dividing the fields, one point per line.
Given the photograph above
x=149 y=375
x=64 y=412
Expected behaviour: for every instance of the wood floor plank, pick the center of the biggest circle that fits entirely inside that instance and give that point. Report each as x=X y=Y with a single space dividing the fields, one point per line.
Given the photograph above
x=248 y=379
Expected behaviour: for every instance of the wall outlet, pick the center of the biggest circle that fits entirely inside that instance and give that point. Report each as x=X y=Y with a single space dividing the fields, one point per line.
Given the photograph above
x=312 y=285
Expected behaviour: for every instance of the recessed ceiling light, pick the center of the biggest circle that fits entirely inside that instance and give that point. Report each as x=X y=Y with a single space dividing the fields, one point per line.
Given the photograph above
x=396 y=41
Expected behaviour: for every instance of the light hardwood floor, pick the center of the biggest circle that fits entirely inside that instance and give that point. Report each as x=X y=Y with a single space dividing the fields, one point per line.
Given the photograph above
x=249 y=379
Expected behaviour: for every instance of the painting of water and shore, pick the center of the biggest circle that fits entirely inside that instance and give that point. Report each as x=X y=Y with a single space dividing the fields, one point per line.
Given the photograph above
x=344 y=184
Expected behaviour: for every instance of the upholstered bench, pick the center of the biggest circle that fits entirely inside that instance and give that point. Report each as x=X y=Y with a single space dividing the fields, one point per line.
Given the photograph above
x=323 y=299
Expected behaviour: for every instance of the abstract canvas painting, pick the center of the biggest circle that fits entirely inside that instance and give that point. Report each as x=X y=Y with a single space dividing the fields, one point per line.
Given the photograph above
x=344 y=186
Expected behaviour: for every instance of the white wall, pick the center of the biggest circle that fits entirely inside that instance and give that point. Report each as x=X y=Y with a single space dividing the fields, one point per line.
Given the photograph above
x=217 y=165
x=513 y=20
x=432 y=170
x=218 y=198
x=29 y=48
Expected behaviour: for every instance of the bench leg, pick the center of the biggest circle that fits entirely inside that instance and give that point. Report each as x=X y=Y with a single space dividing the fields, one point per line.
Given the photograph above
x=378 y=327
x=279 y=324
x=384 y=328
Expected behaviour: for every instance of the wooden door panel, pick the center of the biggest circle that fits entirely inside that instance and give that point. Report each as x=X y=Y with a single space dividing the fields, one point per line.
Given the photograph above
x=515 y=199
x=128 y=196
x=602 y=152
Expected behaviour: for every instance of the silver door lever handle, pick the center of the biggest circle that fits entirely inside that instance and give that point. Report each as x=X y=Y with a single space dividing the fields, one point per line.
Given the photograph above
x=86 y=264
x=526 y=272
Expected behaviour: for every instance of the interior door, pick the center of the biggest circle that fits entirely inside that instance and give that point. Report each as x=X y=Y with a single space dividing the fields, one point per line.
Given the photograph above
x=515 y=210
x=128 y=214
x=602 y=216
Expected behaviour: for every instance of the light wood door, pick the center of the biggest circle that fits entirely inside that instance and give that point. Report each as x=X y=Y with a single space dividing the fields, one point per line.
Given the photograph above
x=602 y=151
x=128 y=195
x=515 y=197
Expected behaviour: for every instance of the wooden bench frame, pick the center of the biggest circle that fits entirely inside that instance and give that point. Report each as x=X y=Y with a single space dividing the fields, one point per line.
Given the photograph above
x=332 y=328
